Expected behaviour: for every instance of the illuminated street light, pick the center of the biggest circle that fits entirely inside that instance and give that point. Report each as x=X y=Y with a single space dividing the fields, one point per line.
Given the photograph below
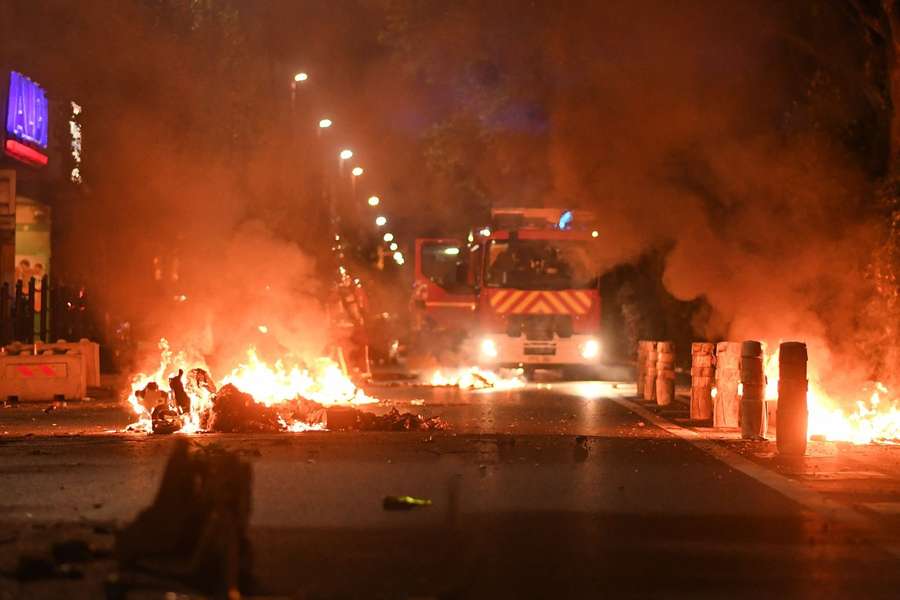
x=398 y=258
x=346 y=154
x=595 y=233
x=374 y=200
x=393 y=246
x=301 y=76
x=380 y=221
x=325 y=123
x=485 y=232
x=389 y=237
x=357 y=171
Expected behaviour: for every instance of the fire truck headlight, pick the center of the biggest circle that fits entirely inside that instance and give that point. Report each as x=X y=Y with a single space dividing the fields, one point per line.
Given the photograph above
x=590 y=349
x=488 y=348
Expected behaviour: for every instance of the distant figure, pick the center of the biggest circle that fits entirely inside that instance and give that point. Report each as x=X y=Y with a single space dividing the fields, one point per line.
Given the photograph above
x=503 y=265
x=23 y=270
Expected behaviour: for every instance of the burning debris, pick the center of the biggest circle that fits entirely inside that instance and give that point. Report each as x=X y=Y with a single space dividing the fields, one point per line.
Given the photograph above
x=474 y=378
x=875 y=420
x=258 y=398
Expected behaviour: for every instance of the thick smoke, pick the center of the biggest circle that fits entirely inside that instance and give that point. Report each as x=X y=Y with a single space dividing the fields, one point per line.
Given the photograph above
x=681 y=137
x=198 y=220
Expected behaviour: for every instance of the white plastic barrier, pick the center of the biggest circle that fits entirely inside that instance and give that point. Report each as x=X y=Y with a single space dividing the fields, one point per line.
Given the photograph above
x=90 y=353
x=44 y=376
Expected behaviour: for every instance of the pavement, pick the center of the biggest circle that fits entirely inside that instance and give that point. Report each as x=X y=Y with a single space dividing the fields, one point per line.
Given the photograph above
x=645 y=507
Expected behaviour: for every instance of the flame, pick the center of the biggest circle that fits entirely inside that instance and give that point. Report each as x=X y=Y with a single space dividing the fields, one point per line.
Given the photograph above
x=323 y=381
x=474 y=378
x=869 y=421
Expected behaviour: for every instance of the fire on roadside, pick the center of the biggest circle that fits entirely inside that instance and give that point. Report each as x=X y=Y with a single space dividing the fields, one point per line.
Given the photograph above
x=475 y=378
x=323 y=381
x=874 y=418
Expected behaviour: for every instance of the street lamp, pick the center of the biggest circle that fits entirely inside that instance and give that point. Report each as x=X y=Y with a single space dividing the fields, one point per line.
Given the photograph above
x=346 y=154
x=374 y=200
x=398 y=258
x=380 y=221
x=394 y=246
x=325 y=123
x=389 y=237
x=300 y=77
x=357 y=171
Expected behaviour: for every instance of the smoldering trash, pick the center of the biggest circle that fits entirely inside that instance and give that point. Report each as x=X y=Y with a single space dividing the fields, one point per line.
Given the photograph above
x=196 y=404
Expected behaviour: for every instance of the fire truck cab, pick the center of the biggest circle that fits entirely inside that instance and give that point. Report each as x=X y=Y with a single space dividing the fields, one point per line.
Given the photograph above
x=520 y=292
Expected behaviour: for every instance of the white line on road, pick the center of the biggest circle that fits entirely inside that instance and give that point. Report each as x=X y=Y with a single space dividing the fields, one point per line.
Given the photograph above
x=793 y=490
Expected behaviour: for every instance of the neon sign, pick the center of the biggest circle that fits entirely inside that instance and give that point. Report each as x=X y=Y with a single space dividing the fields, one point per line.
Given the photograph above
x=26 y=120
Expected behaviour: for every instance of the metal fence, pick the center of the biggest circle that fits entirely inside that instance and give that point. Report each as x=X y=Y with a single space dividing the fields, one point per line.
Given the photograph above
x=38 y=310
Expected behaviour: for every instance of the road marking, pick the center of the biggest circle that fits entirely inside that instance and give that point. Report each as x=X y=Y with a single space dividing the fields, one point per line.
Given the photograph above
x=785 y=486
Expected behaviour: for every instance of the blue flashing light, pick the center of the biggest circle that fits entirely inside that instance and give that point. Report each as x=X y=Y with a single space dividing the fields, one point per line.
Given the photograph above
x=565 y=220
x=26 y=113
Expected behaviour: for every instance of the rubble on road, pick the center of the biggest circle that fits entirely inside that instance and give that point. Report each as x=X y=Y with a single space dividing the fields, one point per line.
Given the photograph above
x=343 y=418
x=235 y=411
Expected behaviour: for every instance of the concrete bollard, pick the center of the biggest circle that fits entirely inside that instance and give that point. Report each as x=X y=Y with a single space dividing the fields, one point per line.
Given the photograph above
x=650 y=372
x=665 y=373
x=792 y=413
x=703 y=371
x=641 y=366
x=726 y=408
x=753 y=398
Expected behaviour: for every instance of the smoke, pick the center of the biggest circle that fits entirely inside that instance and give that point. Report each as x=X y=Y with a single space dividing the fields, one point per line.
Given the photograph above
x=687 y=132
x=200 y=217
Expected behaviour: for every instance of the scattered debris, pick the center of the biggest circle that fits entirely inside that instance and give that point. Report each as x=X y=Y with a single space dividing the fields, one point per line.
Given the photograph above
x=196 y=529
x=33 y=568
x=165 y=420
x=343 y=418
x=182 y=401
x=404 y=502
x=234 y=411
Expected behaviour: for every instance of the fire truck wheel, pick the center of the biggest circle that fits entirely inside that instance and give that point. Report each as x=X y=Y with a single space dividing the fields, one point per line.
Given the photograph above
x=529 y=373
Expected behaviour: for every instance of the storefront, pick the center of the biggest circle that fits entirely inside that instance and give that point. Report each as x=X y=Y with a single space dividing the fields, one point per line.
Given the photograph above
x=28 y=179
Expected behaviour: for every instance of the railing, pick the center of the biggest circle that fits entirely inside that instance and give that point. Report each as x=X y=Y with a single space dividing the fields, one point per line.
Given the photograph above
x=38 y=310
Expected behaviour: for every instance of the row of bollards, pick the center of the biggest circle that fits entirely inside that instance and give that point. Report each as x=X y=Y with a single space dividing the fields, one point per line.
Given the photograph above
x=656 y=372
x=728 y=387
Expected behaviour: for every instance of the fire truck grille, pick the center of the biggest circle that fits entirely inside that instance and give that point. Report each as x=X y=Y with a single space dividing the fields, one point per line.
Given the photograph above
x=540 y=327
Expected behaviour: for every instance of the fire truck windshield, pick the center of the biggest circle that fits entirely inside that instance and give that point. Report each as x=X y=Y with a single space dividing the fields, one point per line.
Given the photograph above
x=540 y=265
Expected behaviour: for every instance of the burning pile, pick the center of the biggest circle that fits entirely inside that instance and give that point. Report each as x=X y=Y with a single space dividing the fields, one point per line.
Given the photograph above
x=874 y=421
x=255 y=397
x=474 y=378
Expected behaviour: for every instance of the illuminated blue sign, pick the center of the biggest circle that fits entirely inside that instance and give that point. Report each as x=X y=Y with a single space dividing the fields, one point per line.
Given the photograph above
x=565 y=220
x=26 y=112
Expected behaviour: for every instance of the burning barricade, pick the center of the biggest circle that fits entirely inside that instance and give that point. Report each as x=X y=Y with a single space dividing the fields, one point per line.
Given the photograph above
x=257 y=397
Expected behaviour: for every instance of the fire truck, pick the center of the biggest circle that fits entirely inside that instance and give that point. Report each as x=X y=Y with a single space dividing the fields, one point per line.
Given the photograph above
x=521 y=292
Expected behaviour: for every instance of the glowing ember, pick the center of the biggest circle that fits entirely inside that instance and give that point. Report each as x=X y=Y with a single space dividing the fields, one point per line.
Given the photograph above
x=269 y=384
x=872 y=421
x=473 y=378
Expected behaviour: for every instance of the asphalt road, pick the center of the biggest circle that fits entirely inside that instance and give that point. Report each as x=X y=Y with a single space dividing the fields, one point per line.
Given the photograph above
x=647 y=510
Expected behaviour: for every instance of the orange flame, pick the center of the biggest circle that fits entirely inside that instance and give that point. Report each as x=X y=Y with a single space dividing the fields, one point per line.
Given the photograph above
x=870 y=421
x=324 y=382
x=474 y=378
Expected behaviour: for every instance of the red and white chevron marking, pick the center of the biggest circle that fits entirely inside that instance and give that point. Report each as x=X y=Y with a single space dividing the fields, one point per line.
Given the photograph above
x=541 y=302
